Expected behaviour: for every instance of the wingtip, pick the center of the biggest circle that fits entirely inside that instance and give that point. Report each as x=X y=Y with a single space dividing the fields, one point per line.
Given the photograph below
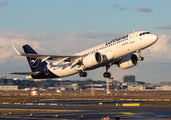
x=11 y=73
x=16 y=50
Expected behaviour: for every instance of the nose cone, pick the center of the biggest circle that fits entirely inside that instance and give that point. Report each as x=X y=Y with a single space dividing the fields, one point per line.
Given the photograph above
x=154 y=38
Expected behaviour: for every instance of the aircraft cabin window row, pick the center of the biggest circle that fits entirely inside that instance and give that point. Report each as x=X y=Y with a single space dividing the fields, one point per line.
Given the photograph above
x=117 y=39
x=144 y=33
x=124 y=38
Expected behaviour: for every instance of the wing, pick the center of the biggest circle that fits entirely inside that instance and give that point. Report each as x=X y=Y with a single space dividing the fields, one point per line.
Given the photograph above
x=73 y=59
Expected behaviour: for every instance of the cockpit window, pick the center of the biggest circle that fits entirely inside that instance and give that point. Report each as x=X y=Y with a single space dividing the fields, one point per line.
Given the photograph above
x=144 y=33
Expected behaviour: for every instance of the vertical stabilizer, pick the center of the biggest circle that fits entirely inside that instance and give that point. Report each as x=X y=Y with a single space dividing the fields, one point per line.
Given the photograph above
x=33 y=62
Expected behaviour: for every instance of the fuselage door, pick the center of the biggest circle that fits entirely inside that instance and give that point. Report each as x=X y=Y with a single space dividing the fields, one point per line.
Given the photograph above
x=141 y=39
x=131 y=38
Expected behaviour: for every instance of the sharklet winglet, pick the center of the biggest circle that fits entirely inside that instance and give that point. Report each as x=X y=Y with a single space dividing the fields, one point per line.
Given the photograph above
x=17 y=51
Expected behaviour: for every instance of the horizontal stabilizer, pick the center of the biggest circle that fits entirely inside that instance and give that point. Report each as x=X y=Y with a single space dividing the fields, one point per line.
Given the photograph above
x=24 y=73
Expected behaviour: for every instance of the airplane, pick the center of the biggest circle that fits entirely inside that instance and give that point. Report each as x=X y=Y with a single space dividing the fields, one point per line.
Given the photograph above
x=119 y=51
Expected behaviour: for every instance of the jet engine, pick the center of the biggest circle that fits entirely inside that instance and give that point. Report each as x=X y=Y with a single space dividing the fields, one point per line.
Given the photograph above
x=92 y=60
x=128 y=61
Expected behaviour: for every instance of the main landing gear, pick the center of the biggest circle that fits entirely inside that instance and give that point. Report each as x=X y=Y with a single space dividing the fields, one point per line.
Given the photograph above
x=107 y=74
x=83 y=74
x=139 y=54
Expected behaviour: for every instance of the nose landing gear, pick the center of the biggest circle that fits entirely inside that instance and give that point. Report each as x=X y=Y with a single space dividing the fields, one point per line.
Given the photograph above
x=139 y=54
x=141 y=58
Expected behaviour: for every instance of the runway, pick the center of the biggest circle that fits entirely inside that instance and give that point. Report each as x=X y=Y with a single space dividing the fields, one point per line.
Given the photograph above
x=87 y=110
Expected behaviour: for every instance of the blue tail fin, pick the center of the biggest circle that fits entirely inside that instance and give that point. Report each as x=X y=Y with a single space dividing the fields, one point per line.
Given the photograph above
x=33 y=62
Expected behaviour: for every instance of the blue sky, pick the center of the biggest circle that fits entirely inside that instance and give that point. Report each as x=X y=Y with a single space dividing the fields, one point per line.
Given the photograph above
x=79 y=15
x=68 y=26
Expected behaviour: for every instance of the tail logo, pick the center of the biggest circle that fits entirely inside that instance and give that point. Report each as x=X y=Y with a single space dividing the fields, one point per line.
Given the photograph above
x=34 y=62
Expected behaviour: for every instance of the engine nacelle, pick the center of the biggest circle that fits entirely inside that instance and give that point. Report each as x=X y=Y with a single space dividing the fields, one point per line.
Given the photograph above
x=92 y=60
x=128 y=61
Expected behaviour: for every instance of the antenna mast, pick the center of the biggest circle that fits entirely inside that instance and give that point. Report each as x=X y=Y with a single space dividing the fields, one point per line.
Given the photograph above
x=169 y=75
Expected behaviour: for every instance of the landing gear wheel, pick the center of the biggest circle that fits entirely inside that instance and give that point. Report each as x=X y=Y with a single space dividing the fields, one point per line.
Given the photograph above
x=83 y=74
x=139 y=54
x=107 y=75
x=141 y=58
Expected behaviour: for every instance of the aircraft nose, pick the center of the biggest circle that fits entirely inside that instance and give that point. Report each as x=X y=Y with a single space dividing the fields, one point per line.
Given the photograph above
x=154 y=38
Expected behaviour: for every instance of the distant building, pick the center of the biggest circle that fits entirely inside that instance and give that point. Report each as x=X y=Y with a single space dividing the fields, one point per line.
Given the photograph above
x=2 y=76
x=116 y=82
x=166 y=87
x=9 y=87
x=165 y=83
x=140 y=82
x=6 y=81
x=128 y=78
x=136 y=88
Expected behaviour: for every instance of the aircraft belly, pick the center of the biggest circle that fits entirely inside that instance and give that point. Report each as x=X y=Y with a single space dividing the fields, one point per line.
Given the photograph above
x=67 y=72
x=63 y=70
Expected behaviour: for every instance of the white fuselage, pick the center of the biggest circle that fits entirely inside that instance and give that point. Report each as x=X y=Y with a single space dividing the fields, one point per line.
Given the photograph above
x=111 y=50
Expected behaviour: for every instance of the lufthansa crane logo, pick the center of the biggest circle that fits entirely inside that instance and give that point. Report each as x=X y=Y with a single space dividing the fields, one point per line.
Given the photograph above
x=34 y=62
